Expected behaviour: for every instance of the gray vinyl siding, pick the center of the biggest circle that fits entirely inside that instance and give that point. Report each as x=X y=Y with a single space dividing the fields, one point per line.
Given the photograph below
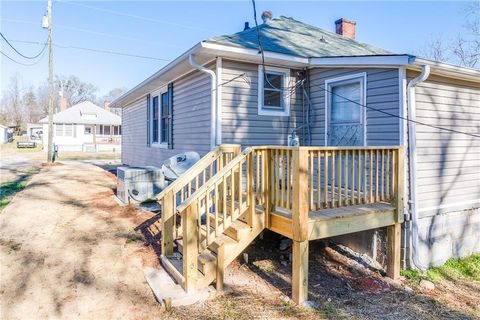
x=191 y=123
x=448 y=164
x=382 y=94
x=240 y=120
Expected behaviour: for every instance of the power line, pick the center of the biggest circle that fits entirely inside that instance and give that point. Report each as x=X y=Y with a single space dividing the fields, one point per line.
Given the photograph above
x=21 y=54
x=396 y=116
x=21 y=63
x=111 y=52
x=104 y=34
x=340 y=96
x=124 y=14
x=95 y=50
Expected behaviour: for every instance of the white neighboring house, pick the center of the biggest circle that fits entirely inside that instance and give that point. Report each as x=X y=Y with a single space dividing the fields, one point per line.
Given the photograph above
x=84 y=127
x=5 y=134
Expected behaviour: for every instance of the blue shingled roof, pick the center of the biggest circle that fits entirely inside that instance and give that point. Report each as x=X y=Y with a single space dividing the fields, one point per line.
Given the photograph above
x=289 y=36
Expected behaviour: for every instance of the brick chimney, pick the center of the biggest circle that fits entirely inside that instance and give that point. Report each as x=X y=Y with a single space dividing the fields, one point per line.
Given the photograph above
x=106 y=105
x=63 y=104
x=345 y=28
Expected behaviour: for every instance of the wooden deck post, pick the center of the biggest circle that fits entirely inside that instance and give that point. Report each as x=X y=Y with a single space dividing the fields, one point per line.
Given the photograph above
x=393 y=250
x=300 y=225
x=168 y=223
x=190 y=247
x=400 y=186
x=266 y=186
x=300 y=271
x=250 y=191
x=300 y=194
x=220 y=267
x=394 y=231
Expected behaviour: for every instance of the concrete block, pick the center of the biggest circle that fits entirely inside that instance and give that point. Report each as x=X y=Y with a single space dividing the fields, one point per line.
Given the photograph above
x=164 y=288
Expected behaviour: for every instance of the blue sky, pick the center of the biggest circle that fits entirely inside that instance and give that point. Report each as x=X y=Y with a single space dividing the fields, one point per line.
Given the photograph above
x=166 y=29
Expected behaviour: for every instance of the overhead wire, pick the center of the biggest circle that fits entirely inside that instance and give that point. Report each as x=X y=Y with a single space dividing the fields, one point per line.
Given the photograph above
x=95 y=50
x=21 y=63
x=21 y=54
x=124 y=14
x=347 y=99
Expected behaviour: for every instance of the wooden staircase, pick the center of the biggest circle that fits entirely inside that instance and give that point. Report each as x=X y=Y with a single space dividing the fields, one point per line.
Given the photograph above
x=217 y=222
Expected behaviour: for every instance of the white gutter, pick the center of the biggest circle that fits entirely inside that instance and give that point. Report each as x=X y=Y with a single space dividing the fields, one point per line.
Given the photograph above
x=412 y=162
x=213 y=102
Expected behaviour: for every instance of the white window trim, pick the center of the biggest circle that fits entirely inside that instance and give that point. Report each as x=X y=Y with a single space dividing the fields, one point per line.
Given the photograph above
x=157 y=93
x=286 y=97
x=362 y=76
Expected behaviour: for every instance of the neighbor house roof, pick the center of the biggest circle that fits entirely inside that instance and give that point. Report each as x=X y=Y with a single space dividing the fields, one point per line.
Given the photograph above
x=289 y=36
x=85 y=113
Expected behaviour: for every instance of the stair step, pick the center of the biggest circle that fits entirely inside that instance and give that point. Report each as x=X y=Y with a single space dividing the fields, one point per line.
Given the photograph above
x=207 y=262
x=237 y=230
x=222 y=240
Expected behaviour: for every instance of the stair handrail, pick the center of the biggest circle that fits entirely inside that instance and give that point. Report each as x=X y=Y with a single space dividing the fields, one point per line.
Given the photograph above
x=167 y=199
x=194 y=170
x=204 y=188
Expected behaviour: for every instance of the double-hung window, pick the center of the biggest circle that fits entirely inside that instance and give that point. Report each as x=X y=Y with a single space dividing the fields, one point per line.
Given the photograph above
x=273 y=91
x=345 y=116
x=160 y=118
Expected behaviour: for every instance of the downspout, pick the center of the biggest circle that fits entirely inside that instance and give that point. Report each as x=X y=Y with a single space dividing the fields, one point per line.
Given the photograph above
x=213 y=99
x=412 y=163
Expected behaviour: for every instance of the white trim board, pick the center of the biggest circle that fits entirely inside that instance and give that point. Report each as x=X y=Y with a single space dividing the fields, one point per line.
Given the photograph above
x=286 y=98
x=219 y=68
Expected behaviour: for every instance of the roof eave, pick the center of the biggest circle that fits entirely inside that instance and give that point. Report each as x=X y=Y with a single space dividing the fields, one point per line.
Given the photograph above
x=446 y=69
x=367 y=61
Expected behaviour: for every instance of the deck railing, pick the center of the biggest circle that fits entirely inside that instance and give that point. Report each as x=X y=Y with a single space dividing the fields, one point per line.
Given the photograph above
x=183 y=188
x=336 y=176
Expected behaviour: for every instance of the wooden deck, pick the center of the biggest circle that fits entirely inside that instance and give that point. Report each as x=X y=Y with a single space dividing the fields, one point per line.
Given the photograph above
x=218 y=207
x=332 y=222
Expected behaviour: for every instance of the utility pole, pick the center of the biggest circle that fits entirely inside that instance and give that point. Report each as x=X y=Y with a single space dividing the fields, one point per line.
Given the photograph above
x=50 y=84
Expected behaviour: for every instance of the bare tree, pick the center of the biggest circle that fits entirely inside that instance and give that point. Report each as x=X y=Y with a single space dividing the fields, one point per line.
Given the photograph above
x=113 y=94
x=33 y=113
x=12 y=103
x=465 y=48
x=75 y=90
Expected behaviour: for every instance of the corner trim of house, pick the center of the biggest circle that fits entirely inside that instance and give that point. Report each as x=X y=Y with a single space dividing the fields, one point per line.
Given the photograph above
x=219 y=68
x=363 y=76
x=402 y=98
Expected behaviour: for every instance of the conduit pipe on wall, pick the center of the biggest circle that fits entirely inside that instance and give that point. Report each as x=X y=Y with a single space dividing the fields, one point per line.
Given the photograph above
x=412 y=163
x=213 y=99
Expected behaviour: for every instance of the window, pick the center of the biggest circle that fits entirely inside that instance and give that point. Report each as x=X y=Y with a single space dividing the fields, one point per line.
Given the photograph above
x=106 y=130
x=164 y=127
x=116 y=130
x=160 y=118
x=68 y=130
x=155 y=119
x=59 y=130
x=88 y=130
x=345 y=116
x=273 y=91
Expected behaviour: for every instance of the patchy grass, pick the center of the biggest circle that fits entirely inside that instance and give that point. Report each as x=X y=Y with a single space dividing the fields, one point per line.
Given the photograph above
x=10 y=188
x=453 y=269
x=12 y=146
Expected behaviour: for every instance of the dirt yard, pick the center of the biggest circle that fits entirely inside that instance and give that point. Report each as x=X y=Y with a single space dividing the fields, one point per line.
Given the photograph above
x=68 y=250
